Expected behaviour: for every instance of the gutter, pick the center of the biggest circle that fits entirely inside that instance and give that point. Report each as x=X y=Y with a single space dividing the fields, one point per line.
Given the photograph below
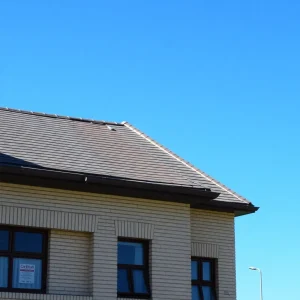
x=201 y=198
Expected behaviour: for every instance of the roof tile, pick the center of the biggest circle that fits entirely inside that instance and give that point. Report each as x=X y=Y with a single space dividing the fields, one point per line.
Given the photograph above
x=88 y=146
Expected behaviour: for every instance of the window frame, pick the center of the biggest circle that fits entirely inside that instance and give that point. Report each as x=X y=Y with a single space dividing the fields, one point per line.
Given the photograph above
x=200 y=282
x=11 y=254
x=130 y=268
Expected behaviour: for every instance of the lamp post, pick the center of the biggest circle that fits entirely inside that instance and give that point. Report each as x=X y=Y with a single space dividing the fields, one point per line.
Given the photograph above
x=260 y=272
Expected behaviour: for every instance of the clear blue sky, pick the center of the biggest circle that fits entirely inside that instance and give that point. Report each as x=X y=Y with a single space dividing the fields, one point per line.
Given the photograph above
x=218 y=82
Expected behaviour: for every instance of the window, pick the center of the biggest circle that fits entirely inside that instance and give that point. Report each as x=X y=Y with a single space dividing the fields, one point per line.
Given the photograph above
x=23 y=259
x=133 y=268
x=203 y=279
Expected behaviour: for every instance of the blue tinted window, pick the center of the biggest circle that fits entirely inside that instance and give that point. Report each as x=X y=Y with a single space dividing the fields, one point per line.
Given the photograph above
x=3 y=272
x=139 y=282
x=130 y=253
x=207 y=293
x=27 y=273
x=123 y=285
x=28 y=242
x=195 y=293
x=206 y=270
x=194 y=270
x=4 y=237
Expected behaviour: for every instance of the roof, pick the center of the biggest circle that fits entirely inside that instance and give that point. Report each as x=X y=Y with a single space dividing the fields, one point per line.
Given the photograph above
x=100 y=148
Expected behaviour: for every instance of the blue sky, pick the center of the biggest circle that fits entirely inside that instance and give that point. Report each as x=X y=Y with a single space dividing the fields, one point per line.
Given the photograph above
x=218 y=82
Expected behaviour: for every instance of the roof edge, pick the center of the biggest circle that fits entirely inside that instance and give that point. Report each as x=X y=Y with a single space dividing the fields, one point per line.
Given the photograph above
x=197 y=198
x=186 y=163
x=39 y=114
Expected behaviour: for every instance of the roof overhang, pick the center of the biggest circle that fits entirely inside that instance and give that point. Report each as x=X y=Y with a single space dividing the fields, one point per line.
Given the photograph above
x=200 y=198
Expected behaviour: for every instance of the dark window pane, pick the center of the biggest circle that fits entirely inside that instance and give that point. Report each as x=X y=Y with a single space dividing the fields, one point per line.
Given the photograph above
x=123 y=286
x=28 y=242
x=27 y=273
x=4 y=236
x=195 y=292
x=206 y=270
x=207 y=293
x=130 y=253
x=3 y=272
x=139 y=282
x=194 y=270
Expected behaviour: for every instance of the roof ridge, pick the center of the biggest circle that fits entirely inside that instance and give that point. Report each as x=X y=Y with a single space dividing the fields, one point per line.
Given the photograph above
x=27 y=112
x=186 y=163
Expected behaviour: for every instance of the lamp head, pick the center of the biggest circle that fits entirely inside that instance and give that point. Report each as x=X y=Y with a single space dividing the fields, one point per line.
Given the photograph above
x=253 y=268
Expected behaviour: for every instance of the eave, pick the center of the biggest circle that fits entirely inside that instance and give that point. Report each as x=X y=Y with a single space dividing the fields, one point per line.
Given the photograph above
x=199 y=198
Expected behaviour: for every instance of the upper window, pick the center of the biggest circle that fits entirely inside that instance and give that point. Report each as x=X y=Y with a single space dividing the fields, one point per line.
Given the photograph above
x=23 y=259
x=203 y=279
x=133 y=269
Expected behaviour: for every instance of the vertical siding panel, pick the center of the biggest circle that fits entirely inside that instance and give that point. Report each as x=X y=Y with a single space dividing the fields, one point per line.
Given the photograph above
x=86 y=223
x=59 y=220
x=48 y=223
x=76 y=221
x=124 y=227
x=56 y=219
x=34 y=217
x=68 y=224
x=3 y=214
x=17 y=212
x=80 y=222
x=30 y=218
x=139 y=229
x=64 y=220
x=38 y=217
x=7 y=216
x=14 y=216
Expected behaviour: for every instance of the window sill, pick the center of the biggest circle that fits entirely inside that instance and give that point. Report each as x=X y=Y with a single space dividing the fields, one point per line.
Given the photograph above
x=134 y=298
x=27 y=296
x=125 y=298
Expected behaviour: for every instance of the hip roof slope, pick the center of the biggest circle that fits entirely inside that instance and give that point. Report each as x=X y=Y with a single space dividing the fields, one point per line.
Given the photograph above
x=97 y=147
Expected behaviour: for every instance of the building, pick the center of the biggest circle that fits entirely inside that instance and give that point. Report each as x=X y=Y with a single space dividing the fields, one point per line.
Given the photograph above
x=93 y=210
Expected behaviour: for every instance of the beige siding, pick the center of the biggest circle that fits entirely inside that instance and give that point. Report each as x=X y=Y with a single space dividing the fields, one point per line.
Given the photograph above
x=5 y=295
x=85 y=263
x=69 y=263
x=35 y=217
x=168 y=225
x=205 y=250
x=213 y=233
x=136 y=230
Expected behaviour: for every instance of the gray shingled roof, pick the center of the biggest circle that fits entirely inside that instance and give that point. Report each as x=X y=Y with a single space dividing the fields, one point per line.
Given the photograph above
x=97 y=147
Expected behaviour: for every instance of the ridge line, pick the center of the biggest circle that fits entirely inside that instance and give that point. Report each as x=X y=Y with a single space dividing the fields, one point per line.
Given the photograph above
x=55 y=116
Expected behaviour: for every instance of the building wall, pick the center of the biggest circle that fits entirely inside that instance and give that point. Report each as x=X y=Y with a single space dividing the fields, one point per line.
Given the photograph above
x=84 y=228
x=69 y=265
x=106 y=217
x=212 y=235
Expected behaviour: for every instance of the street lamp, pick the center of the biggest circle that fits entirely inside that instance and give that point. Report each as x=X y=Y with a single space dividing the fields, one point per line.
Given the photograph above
x=260 y=272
